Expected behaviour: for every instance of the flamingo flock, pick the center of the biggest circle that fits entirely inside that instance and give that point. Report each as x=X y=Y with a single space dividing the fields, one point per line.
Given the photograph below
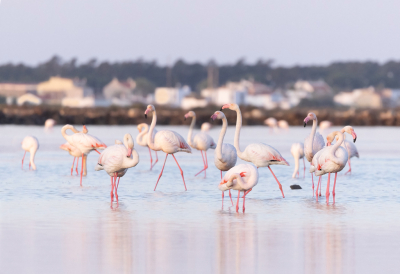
x=116 y=159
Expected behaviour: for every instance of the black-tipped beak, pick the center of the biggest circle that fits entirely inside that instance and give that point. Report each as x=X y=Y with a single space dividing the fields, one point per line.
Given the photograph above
x=184 y=118
x=355 y=139
x=305 y=124
x=145 y=116
x=220 y=109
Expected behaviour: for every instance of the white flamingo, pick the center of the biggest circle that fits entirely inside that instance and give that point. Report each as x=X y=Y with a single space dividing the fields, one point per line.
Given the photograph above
x=242 y=177
x=283 y=124
x=116 y=160
x=166 y=140
x=73 y=151
x=324 y=125
x=30 y=144
x=49 y=123
x=297 y=151
x=349 y=146
x=143 y=138
x=260 y=154
x=200 y=141
x=84 y=142
x=272 y=123
x=225 y=156
x=313 y=143
x=205 y=127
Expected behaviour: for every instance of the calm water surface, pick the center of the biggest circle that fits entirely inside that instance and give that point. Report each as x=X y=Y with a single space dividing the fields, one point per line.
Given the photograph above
x=49 y=224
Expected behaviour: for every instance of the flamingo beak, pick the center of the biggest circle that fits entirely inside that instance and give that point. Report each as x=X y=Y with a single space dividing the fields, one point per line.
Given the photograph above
x=84 y=127
x=354 y=136
x=306 y=121
x=145 y=113
x=328 y=144
x=225 y=106
x=214 y=116
x=129 y=152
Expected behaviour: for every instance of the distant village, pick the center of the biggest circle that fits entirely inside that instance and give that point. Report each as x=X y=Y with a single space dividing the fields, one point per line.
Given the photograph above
x=75 y=93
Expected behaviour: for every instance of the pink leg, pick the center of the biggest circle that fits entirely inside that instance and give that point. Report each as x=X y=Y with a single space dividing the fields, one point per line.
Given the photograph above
x=316 y=192
x=280 y=186
x=151 y=160
x=159 y=176
x=204 y=164
x=97 y=151
x=349 y=167
x=312 y=178
x=205 y=156
x=115 y=186
x=327 y=188
x=181 y=171
x=244 y=198
x=22 y=166
x=230 y=196
x=156 y=159
x=237 y=202
x=304 y=174
x=333 y=192
x=82 y=169
x=77 y=162
x=320 y=189
x=112 y=189
x=29 y=165
x=72 y=168
x=222 y=199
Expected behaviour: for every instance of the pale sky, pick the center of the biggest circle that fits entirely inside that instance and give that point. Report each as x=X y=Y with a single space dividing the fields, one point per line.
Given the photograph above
x=288 y=31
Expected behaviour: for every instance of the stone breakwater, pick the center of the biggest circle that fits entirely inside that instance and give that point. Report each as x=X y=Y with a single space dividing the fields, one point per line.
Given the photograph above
x=30 y=115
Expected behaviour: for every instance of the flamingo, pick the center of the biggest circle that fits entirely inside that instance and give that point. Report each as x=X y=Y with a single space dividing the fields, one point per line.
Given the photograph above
x=313 y=143
x=242 y=177
x=30 y=144
x=84 y=142
x=331 y=159
x=166 y=140
x=116 y=160
x=297 y=151
x=142 y=140
x=325 y=125
x=283 y=124
x=260 y=154
x=49 y=123
x=205 y=127
x=349 y=146
x=272 y=123
x=200 y=141
x=225 y=154
x=73 y=151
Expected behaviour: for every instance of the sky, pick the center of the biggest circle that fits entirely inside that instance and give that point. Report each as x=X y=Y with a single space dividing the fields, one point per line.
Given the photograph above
x=291 y=32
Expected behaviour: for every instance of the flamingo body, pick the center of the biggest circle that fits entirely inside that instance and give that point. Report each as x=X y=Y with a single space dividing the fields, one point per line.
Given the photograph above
x=30 y=144
x=297 y=151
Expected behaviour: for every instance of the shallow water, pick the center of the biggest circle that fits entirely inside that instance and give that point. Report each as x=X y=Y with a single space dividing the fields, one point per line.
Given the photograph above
x=50 y=224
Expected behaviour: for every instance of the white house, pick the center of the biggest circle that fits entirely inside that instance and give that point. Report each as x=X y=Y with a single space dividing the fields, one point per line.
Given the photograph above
x=232 y=92
x=191 y=101
x=29 y=99
x=359 y=98
x=171 y=96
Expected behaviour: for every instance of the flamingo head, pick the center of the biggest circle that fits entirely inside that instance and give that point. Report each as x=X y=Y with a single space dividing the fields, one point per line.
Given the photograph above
x=84 y=129
x=149 y=109
x=140 y=126
x=128 y=142
x=230 y=106
x=310 y=116
x=350 y=130
x=190 y=114
x=218 y=115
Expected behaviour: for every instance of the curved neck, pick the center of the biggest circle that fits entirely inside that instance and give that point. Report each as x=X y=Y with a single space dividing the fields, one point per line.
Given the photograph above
x=218 y=149
x=131 y=161
x=239 y=181
x=190 y=133
x=237 y=132
x=64 y=131
x=313 y=131
x=336 y=146
x=139 y=138
x=152 y=126
x=296 y=164
x=32 y=158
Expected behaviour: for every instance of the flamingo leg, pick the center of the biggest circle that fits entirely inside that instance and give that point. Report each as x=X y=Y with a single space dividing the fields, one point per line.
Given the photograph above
x=72 y=168
x=327 y=188
x=244 y=198
x=349 y=167
x=333 y=192
x=280 y=186
x=312 y=178
x=156 y=159
x=77 y=162
x=115 y=186
x=22 y=166
x=159 y=176
x=316 y=192
x=181 y=171
x=204 y=164
x=230 y=196
x=151 y=160
x=237 y=202
x=320 y=189
x=82 y=169
x=222 y=199
x=112 y=189
x=205 y=156
x=97 y=151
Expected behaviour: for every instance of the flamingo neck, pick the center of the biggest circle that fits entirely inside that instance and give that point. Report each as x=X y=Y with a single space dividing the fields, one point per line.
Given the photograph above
x=152 y=126
x=239 y=181
x=237 y=132
x=336 y=146
x=131 y=161
x=313 y=131
x=296 y=164
x=32 y=158
x=191 y=131
x=139 y=138
x=64 y=132
x=218 y=149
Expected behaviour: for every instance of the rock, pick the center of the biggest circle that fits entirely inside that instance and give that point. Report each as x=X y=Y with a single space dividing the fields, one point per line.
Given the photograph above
x=295 y=187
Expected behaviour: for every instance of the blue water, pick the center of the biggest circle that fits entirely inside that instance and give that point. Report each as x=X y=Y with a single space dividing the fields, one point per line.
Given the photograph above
x=49 y=224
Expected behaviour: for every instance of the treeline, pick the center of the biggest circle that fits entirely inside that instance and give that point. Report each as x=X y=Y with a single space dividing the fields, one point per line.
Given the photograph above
x=339 y=75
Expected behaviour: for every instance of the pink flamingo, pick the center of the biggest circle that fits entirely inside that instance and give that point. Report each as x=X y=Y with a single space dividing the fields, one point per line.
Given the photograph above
x=297 y=151
x=84 y=142
x=116 y=160
x=166 y=140
x=313 y=143
x=200 y=141
x=142 y=140
x=30 y=144
x=261 y=155
x=73 y=151
x=350 y=147
x=242 y=177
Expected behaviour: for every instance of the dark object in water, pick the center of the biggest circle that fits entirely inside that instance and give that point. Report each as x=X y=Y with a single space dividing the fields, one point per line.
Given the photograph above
x=295 y=187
